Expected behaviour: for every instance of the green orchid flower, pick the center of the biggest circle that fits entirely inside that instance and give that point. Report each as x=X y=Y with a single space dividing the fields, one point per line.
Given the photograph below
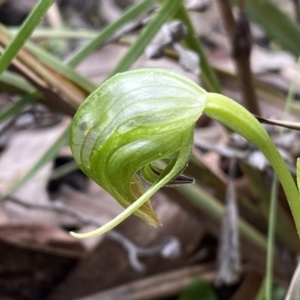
x=138 y=126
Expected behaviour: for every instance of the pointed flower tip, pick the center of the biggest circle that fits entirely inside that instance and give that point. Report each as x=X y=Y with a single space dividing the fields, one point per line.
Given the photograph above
x=156 y=223
x=153 y=222
x=73 y=234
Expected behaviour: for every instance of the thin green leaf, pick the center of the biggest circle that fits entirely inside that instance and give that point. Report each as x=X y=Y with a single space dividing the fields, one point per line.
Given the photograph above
x=257 y=184
x=47 y=157
x=193 y=42
x=64 y=170
x=267 y=15
x=61 y=68
x=167 y=11
x=278 y=293
x=24 y=33
x=261 y=292
x=271 y=238
x=198 y=289
x=14 y=83
x=56 y=64
x=15 y=107
x=132 y=13
x=215 y=210
x=62 y=33
x=274 y=200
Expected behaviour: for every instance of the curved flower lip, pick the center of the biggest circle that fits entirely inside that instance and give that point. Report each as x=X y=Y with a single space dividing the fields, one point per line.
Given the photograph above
x=133 y=119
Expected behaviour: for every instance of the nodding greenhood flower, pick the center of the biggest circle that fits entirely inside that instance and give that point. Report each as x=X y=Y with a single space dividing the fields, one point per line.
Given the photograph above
x=137 y=119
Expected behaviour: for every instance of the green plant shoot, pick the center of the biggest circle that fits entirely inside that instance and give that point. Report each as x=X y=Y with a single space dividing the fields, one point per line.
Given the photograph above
x=139 y=118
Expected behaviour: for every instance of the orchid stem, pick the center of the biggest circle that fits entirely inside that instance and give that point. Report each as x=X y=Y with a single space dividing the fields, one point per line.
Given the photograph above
x=237 y=118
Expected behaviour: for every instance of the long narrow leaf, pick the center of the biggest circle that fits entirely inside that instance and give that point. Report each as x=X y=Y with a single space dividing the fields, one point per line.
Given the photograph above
x=194 y=43
x=215 y=210
x=274 y=200
x=275 y=23
x=51 y=61
x=271 y=238
x=15 y=107
x=14 y=83
x=167 y=11
x=108 y=31
x=24 y=33
x=47 y=157
x=61 y=68
x=62 y=33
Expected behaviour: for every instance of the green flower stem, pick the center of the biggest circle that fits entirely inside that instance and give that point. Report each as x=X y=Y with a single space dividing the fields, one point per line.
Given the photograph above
x=237 y=118
x=24 y=33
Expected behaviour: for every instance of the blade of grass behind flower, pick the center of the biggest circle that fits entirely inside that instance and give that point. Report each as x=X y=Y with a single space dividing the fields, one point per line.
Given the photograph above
x=42 y=56
x=13 y=108
x=55 y=148
x=47 y=157
x=263 y=196
x=193 y=43
x=275 y=23
x=166 y=12
x=14 y=83
x=215 y=210
x=274 y=200
x=24 y=33
x=133 y=12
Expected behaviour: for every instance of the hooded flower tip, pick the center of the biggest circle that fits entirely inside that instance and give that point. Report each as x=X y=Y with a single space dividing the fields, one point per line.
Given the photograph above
x=132 y=120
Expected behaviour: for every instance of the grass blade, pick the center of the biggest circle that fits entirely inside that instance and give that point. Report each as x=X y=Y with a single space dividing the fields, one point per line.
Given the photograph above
x=24 y=33
x=166 y=11
x=47 y=157
x=271 y=238
x=215 y=210
x=274 y=199
x=14 y=83
x=108 y=31
x=15 y=107
x=194 y=44
x=61 y=68
x=275 y=23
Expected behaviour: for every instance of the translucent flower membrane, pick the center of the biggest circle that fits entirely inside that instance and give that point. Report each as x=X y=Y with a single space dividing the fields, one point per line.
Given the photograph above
x=138 y=118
